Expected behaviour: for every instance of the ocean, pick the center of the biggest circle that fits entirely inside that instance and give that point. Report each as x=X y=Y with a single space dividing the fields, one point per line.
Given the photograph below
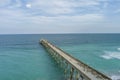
x=23 y=58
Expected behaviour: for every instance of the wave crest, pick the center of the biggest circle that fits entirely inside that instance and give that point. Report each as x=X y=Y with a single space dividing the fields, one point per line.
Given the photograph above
x=115 y=77
x=111 y=55
x=118 y=49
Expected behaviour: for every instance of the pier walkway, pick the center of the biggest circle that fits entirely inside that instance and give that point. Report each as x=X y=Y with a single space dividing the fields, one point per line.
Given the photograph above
x=74 y=69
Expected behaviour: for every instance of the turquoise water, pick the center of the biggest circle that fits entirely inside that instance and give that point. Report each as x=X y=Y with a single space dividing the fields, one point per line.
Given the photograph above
x=22 y=58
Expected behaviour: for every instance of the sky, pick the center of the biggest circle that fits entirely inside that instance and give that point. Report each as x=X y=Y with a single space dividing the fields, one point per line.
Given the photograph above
x=59 y=16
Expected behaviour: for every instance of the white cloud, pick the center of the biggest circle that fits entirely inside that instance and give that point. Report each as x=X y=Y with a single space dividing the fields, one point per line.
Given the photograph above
x=17 y=15
x=53 y=16
x=58 y=7
x=64 y=6
x=43 y=24
x=28 y=5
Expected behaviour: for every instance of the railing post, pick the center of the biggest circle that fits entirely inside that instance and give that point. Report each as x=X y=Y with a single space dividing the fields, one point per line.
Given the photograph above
x=66 y=69
x=77 y=76
x=71 y=73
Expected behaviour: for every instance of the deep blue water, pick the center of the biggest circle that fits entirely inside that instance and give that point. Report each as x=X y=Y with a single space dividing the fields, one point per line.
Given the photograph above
x=23 y=58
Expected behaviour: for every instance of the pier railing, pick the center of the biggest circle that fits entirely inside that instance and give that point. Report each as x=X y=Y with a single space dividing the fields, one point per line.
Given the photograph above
x=74 y=69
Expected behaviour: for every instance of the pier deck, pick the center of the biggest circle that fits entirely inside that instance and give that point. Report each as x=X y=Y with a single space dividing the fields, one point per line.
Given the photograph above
x=85 y=71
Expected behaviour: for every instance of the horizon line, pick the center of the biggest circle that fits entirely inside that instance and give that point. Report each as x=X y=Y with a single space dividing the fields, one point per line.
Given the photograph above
x=52 y=33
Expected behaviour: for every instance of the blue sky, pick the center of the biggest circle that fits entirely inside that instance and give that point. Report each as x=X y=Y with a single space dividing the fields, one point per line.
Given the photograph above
x=59 y=16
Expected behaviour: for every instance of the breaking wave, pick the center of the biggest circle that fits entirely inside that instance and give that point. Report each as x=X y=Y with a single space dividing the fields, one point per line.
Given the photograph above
x=111 y=55
x=115 y=77
x=118 y=49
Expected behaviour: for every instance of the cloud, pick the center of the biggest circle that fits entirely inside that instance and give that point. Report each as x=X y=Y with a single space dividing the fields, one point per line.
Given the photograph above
x=59 y=16
x=54 y=8
x=58 y=7
x=28 y=5
x=53 y=16
x=117 y=11
x=46 y=24
x=4 y=2
x=64 y=6
x=16 y=4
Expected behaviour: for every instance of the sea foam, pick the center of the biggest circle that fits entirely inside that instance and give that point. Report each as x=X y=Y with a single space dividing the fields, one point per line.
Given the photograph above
x=119 y=71
x=118 y=49
x=115 y=77
x=111 y=55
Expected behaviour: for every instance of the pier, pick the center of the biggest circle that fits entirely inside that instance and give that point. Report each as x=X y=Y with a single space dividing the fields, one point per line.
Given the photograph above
x=74 y=69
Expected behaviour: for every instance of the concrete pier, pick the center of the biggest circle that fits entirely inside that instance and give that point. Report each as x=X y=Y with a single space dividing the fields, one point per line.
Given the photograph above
x=74 y=69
